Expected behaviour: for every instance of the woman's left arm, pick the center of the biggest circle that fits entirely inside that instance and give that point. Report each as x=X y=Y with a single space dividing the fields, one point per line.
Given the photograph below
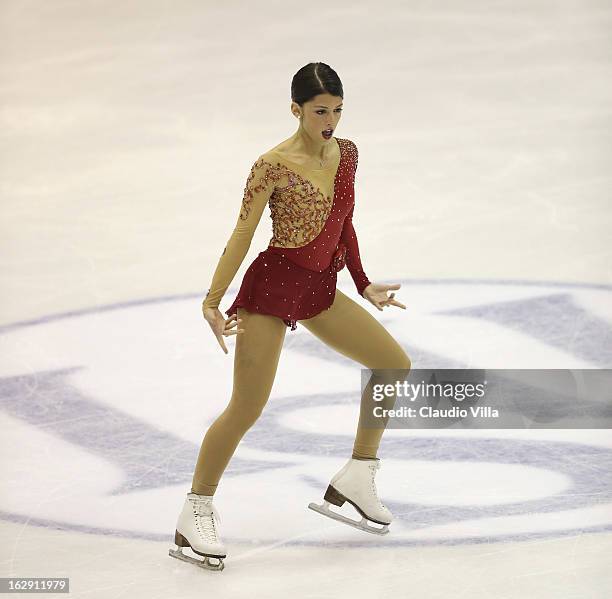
x=376 y=292
x=353 y=260
x=349 y=238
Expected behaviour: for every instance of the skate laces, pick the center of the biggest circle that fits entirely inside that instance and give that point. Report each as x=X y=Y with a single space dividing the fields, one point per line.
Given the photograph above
x=205 y=509
x=373 y=468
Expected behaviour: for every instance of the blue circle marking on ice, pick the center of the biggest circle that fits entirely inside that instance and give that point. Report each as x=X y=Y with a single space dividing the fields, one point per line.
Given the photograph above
x=44 y=385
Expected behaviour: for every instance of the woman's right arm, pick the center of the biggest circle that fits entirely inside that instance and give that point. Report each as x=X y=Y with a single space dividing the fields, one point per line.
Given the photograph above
x=258 y=189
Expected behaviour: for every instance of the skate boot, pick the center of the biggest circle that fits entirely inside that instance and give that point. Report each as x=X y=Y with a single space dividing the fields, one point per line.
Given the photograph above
x=355 y=483
x=198 y=529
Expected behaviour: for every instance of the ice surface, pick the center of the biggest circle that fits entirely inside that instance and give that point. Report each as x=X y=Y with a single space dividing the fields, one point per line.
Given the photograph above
x=483 y=188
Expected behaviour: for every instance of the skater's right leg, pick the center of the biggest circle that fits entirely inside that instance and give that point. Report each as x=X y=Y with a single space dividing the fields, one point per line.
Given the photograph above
x=256 y=359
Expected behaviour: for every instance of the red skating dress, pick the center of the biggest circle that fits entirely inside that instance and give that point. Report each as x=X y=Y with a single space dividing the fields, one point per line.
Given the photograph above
x=295 y=277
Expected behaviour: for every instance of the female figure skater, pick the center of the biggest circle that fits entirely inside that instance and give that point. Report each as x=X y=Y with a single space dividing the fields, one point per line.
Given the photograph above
x=308 y=182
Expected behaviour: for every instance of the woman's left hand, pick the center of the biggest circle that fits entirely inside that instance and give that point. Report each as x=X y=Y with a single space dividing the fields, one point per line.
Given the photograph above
x=376 y=293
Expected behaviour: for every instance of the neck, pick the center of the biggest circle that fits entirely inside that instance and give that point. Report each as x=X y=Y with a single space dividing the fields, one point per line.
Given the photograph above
x=305 y=144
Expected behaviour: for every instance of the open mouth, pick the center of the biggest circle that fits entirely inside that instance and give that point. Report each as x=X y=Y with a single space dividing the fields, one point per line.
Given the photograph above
x=327 y=133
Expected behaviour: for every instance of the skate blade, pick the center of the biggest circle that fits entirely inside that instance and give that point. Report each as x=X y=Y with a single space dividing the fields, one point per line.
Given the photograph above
x=204 y=563
x=363 y=524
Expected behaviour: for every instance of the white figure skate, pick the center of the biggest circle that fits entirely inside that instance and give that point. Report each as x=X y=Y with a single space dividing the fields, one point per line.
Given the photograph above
x=355 y=483
x=198 y=529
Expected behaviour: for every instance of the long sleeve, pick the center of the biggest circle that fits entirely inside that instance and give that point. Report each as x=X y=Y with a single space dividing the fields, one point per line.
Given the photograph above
x=257 y=192
x=349 y=238
x=353 y=260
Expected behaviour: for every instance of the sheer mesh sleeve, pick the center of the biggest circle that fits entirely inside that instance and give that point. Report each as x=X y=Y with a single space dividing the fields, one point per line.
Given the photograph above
x=257 y=192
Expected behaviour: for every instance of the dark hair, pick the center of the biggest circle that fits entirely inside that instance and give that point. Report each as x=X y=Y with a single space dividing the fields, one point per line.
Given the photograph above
x=313 y=79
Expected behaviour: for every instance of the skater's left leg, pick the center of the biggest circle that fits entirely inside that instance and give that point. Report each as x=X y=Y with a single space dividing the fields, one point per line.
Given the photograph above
x=351 y=330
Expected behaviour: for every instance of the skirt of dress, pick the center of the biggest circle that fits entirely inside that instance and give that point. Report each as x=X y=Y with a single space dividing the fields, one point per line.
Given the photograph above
x=275 y=285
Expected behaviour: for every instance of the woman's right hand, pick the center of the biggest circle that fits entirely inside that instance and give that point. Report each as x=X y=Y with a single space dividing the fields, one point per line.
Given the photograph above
x=221 y=326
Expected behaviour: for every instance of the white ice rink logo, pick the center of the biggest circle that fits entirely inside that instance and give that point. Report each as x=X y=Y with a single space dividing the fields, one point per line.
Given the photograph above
x=103 y=413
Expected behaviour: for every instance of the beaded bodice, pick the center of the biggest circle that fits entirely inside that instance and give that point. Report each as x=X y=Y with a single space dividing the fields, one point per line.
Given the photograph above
x=298 y=211
x=298 y=207
x=311 y=216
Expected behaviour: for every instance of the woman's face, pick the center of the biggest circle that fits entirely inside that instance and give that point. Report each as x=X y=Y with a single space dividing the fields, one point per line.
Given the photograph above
x=320 y=114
